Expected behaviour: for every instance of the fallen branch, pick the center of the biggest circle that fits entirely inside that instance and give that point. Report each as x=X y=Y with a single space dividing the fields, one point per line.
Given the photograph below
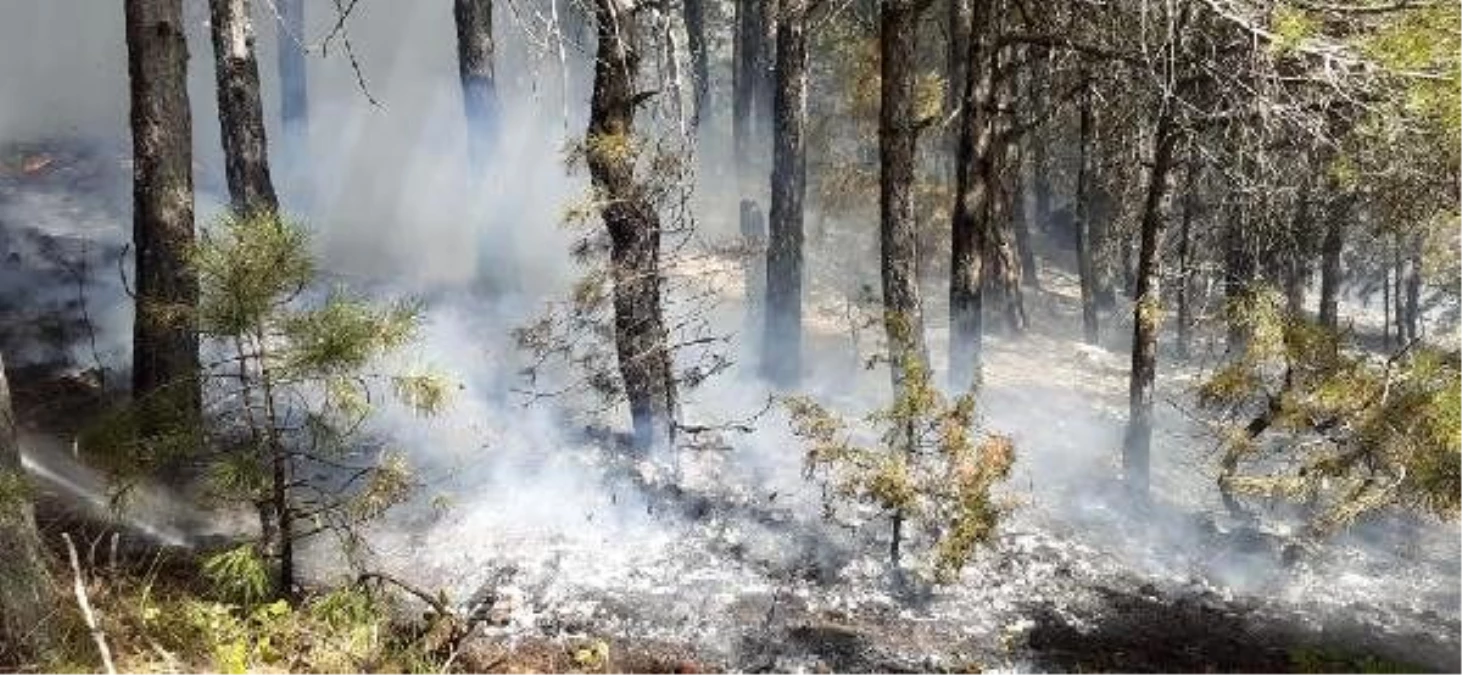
x=86 y=613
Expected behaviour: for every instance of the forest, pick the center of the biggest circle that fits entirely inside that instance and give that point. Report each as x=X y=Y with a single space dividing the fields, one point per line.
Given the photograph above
x=730 y=336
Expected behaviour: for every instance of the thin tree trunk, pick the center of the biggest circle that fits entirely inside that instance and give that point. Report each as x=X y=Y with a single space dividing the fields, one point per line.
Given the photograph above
x=293 y=93
x=695 y=39
x=754 y=275
x=634 y=230
x=1147 y=310
x=973 y=171
x=476 y=72
x=1185 y=256
x=1386 y=306
x=164 y=342
x=1330 y=272
x=1398 y=297
x=1409 y=296
x=1039 y=96
x=240 y=112
x=26 y=594
x=897 y=136
x=782 y=347
x=1297 y=261
x=1239 y=270
x=1086 y=269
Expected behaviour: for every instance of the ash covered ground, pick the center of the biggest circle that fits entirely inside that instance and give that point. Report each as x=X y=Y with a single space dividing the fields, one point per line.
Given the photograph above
x=538 y=521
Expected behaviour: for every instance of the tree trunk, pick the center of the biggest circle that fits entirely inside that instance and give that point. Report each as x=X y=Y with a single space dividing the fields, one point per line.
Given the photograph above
x=1330 y=272
x=1039 y=96
x=164 y=342
x=750 y=89
x=973 y=172
x=1297 y=260
x=1239 y=270
x=1086 y=269
x=1386 y=306
x=293 y=97
x=634 y=231
x=26 y=595
x=240 y=112
x=1185 y=256
x=1003 y=255
x=782 y=347
x=695 y=39
x=479 y=85
x=1409 y=295
x=1147 y=310
x=754 y=275
x=897 y=136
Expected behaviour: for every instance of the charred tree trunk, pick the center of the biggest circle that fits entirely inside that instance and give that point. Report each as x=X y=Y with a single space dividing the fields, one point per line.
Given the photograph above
x=1330 y=272
x=1239 y=271
x=695 y=40
x=634 y=230
x=782 y=347
x=1147 y=309
x=293 y=94
x=751 y=88
x=479 y=84
x=164 y=342
x=26 y=595
x=240 y=112
x=897 y=136
x=973 y=172
x=1086 y=268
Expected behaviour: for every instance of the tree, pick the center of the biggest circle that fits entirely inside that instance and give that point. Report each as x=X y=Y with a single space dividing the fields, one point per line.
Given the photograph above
x=240 y=112
x=898 y=132
x=475 y=69
x=1086 y=267
x=974 y=172
x=782 y=345
x=611 y=150
x=26 y=595
x=164 y=342
x=695 y=42
x=929 y=466
x=293 y=89
x=1147 y=310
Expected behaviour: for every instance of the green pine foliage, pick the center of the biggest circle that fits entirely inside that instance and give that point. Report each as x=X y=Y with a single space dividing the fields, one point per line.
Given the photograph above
x=1307 y=417
x=291 y=374
x=922 y=460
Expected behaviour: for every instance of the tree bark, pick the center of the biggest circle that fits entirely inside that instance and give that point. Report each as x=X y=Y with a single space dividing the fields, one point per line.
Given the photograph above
x=1239 y=271
x=164 y=342
x=1086 y=269
x=240 y=111
x=751 y=82
x=1147 y=310
x=634 y=230
x=1297 y=260
x=479 y=84
x=1409 y=295
x=26 y=594
x=1039 y=96
x=1330 y=272
x=973 y=172
x=1003 y=253
x=1185 y=255
x=897 y=137
x=782 y=346
x=695 y=40
x=293 y=93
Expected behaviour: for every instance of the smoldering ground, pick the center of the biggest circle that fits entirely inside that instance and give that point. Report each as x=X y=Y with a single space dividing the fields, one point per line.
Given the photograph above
x=722 y=547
